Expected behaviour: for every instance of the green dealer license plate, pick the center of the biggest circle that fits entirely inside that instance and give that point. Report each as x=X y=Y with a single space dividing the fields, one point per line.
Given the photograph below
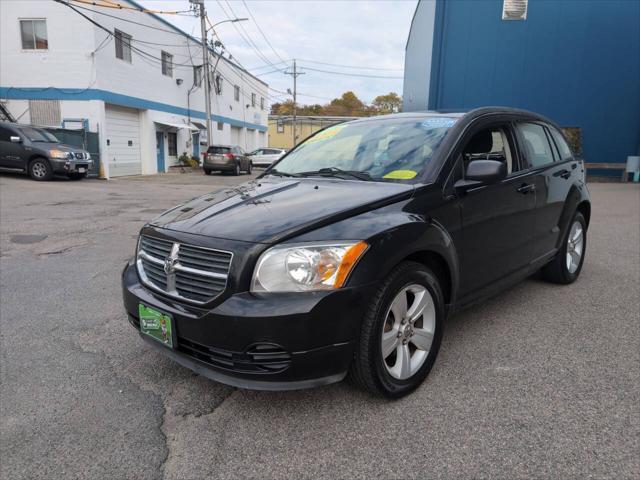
x=156 y=324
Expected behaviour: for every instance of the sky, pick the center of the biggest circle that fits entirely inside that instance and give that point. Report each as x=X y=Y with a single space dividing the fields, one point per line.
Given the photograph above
x=370 y=35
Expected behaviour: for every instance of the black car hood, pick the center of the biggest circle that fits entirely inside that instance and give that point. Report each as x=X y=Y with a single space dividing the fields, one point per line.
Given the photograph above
x=57 y=146
x=272 y=209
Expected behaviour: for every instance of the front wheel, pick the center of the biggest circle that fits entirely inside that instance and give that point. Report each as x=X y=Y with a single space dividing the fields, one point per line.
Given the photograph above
x=40 y=169
x=401 y=332
x=567 y=265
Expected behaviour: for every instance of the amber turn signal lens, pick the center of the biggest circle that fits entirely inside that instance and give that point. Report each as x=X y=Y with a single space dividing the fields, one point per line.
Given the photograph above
x=348 y=262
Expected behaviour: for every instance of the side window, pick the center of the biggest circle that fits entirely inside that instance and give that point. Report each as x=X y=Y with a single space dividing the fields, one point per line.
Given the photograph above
x=535 y=144
x=561 y=143
x=489 y=144
x=5 y=134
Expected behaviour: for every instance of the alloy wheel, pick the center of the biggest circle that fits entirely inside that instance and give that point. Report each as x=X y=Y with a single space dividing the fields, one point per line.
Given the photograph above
x=39 y=170
x=408 y=331
x=575 y=246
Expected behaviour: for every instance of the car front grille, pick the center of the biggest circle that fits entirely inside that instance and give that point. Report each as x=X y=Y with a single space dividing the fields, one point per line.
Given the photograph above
x=188 y=272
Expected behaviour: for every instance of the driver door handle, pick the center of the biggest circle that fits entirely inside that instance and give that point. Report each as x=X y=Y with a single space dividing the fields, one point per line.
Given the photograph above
x=526 y=188
x=564 y=173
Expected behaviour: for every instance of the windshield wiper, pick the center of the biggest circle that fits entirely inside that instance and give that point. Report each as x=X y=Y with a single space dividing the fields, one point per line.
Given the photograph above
x=280 y=174
x=338 y=173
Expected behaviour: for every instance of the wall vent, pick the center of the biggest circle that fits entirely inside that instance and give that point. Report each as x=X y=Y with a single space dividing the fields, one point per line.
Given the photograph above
x=514 y=9
x=45 y=112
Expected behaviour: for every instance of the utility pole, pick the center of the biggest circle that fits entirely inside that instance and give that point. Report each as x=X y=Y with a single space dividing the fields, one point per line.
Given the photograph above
x=295 y=74
x=205 y=66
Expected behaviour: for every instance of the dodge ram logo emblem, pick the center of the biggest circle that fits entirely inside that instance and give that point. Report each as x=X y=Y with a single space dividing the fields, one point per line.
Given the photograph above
x=171 y=260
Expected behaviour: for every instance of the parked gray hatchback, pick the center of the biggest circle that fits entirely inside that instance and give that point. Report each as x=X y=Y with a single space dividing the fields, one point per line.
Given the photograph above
x=39 y=153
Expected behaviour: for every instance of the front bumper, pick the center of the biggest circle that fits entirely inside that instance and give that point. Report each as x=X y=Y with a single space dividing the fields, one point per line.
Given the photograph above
x=63 y=165
x=259 y=341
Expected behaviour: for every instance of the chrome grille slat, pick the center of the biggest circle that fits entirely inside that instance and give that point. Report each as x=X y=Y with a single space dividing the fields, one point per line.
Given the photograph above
x=196 y=274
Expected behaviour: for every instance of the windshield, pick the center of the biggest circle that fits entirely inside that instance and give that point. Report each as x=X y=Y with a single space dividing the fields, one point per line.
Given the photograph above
x=385 y=149
x=38 y=135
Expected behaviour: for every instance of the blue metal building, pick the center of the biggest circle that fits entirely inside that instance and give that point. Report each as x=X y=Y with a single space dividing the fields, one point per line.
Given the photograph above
x=577 y=62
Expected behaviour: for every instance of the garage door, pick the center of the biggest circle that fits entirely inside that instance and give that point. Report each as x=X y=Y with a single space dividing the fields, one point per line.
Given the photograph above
x=235 y=135
x=123 y=141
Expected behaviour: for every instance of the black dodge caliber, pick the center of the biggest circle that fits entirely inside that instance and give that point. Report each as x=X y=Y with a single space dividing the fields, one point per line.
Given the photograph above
x=348 y=254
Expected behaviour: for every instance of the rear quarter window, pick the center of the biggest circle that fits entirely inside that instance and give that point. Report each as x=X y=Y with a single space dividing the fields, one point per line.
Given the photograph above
x=563 y=147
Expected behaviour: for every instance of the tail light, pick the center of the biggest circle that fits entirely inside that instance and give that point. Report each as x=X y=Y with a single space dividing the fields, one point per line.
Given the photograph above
x=229 y=156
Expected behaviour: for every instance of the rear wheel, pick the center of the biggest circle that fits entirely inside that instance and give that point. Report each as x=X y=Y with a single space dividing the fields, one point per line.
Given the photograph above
x=401 y=332
x=249 y=168
x=236 y=169
x=207 y=171
x=566 y=266
x=40 y=169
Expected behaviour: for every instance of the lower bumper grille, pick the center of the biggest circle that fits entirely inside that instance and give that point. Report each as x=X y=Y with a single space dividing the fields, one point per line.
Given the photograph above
x=259 y=358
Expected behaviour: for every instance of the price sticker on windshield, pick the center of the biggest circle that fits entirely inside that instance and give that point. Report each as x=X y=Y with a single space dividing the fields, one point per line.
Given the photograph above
x=439 y=122
x=326 y=134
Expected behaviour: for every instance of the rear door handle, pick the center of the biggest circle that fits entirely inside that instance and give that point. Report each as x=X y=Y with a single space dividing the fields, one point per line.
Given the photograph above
x=564 y=173
x=526 y=188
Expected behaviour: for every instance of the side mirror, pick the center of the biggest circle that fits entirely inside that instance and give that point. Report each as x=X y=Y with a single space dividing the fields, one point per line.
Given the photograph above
x=483 y=172
x=15 y=139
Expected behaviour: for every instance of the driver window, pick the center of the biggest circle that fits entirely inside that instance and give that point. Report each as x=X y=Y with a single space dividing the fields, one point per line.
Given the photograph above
x=489 y=144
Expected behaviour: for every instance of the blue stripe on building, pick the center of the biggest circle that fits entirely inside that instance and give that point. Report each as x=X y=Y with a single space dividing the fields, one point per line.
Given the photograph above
x=32 y=93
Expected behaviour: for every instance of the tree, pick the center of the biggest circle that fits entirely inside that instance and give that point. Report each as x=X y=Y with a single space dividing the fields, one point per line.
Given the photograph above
x=389 y=103
x=347 y=105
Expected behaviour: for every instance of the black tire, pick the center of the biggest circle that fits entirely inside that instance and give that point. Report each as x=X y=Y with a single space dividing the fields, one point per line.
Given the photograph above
x=249 y=168
x=557 y=270
x=207 y=171
x=236 y=169
x=368 y=369
x=77 y=176
x=40 y=169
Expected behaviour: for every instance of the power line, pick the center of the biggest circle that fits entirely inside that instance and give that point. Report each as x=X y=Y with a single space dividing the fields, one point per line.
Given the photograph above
x=261 y=32
x=352 y=74
x=119 y=6
x=352 y=66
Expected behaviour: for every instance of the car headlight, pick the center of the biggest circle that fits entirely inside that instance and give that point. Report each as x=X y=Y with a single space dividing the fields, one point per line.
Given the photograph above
x=306 y=267
x=88 y=156
x=58 y=154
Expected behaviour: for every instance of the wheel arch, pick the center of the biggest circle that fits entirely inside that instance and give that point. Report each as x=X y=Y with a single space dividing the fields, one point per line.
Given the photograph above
x=437 y=263
x=584 y=208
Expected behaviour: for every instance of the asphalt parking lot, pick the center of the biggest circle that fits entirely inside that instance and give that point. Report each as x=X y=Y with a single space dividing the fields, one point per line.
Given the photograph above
x=542 y=381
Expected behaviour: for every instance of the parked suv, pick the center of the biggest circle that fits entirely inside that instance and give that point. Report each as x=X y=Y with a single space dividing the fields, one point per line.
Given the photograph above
x=348 y=255
x=226 y=158
x=40 y=154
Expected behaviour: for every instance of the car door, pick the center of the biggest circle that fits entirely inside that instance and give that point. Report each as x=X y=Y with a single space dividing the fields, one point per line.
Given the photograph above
x=11 y=153
x=555 y=171
x=258 y=156
x=498 y=219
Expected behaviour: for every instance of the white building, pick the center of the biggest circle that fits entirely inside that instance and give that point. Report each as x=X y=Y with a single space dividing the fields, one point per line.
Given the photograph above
x=139 y=86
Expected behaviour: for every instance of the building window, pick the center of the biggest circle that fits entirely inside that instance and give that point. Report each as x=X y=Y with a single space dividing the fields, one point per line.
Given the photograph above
x=261 y=103
x=34 y=34
x=236 y=93
x=123 y=46
x=197 y=76
x=172 y=141
x=280 y=126
x=220 y=126
x=167 y=64
x=514 y=9
x=218 y=84
x=253 y=100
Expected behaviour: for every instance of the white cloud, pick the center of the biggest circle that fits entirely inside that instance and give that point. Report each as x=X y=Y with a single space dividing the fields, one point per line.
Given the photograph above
x=359 y=33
